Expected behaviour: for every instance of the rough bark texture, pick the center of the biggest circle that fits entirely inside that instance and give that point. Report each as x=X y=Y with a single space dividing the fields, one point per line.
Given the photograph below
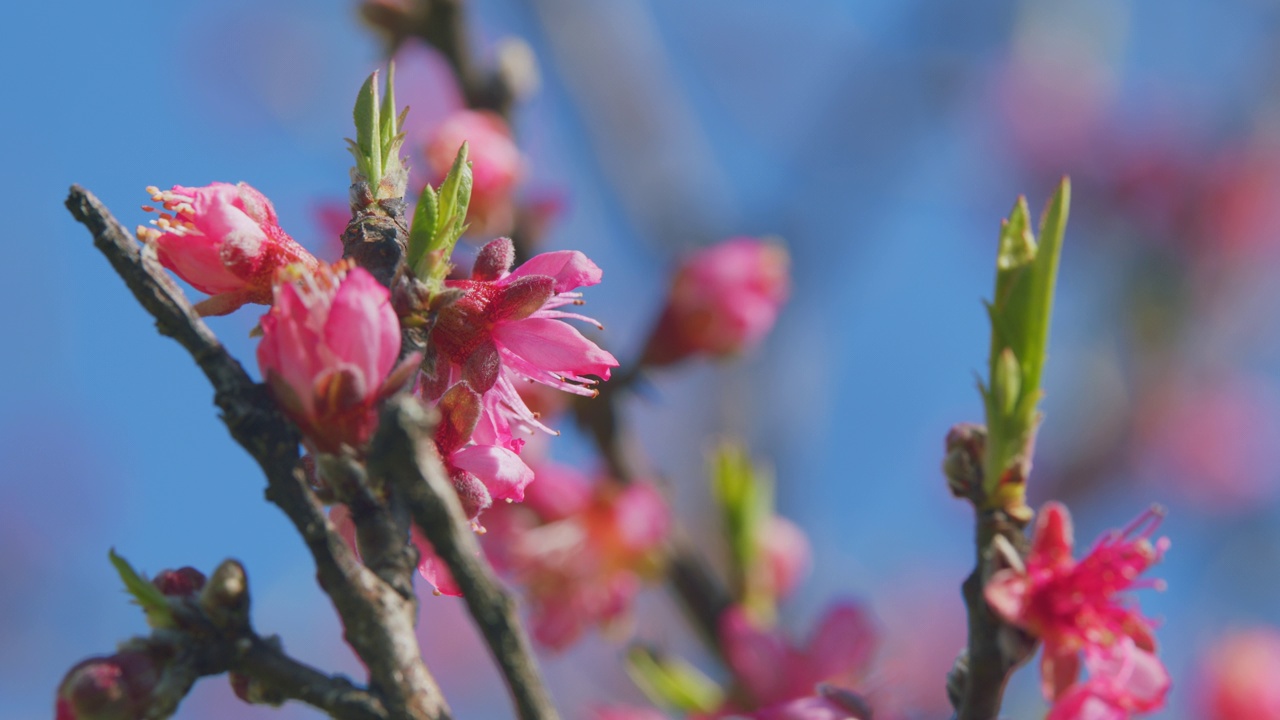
x=403 y=455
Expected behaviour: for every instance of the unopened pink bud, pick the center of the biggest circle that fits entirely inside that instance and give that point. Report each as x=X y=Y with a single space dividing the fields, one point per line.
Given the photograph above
x=1238 y=680
x=328 y=346
x=786 y=555
x=224 y=240
x=183 y=582
x=723 y=301
x=496 y=165
x=116 y=687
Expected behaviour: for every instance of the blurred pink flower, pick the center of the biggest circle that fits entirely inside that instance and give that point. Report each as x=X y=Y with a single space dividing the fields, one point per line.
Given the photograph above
x=1073 y=606
x=1212 y=441
x=508 y=328
x=224 y=240
x=1123 y=680
x=771 y=670
x=827 y=703
x=724 y=299
x=579 y=549
x=496 y=166
x=1238 y=677
x=328 y=347
x=786 y=555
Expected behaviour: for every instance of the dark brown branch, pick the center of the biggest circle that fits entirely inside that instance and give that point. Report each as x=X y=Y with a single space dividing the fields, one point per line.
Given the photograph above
x=378 y=620
x=403 y=454
x=995 y=648
x=443 y=25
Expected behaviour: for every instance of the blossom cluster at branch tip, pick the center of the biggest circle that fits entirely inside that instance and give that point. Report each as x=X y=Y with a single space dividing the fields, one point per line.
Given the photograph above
x=1075 y=608
x=507 y=329
x=329 y=345
x=224 y=240
x=724 y=299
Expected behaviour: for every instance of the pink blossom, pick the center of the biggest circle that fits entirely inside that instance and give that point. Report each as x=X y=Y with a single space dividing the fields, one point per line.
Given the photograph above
x=496 y=165
x=225 y=241
x=1238 y=677
x=786 y=555
x=481 y=473
x=581 y=550
x=508 y=329
x=724 y=300
x=1123 y=680
x=1074 y=606
x=772 y=670
x=328 y=348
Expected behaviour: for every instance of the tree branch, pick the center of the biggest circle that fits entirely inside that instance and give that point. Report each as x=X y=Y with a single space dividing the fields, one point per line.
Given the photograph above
x=378 y=621
x=403 y=454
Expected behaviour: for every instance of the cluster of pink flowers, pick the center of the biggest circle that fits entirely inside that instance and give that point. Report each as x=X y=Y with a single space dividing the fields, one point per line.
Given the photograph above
x=331 y=341
x=581 y=549
x=1075 y=609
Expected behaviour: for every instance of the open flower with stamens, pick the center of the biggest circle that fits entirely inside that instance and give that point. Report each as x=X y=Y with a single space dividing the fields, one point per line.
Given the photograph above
x=224 y=240
x=508 y=328
x=329 y=345
x=1075 y=606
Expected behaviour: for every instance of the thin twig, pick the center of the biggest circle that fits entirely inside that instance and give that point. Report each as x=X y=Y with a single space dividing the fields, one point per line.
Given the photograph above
x=403 y=454
x=378 y=621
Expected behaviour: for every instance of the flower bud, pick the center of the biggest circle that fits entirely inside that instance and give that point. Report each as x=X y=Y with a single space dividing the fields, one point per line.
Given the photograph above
x=723 y=301
x=328 y=347
x=496 y=166
x=1238 y=677
x=966 y=442
x=115 y=687
x=224 y=240
x=183 y=582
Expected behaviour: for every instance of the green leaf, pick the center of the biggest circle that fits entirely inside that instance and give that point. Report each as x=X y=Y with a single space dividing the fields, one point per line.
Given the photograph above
x=744 y=494
x=153 y=602
x=422 y=229
x=436 y=228
x=387 y=130
x=673 y=683
x=368 y=141
x=1026 y=276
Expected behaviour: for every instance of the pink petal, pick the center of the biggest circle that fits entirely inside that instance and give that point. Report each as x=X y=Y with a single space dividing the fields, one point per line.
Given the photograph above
x=502 y=471
x=842 y=644
x=641 y=517
x=755 y=656
x=1006 y=593
x=570 y=268
x=554 y=347
x=433 y=569
x=362 y=328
